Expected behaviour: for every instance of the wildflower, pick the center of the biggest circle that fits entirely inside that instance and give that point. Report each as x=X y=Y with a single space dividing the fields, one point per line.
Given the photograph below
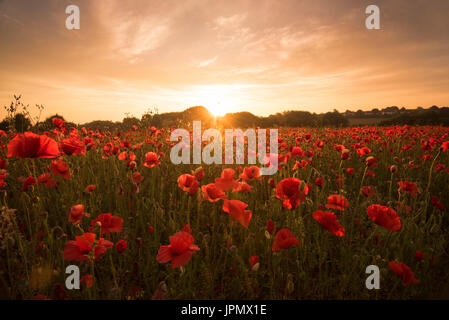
x=290 y=190
x=250 y=173
x=384 y=216
x=403 y=271
x=367 y=191
x=108 y=223
x=188 y=183
x=90 y=188
x=212 y=193
x=337 y=202
x=121 y=246
x=419 y=255
x=73 y=146
x=179 y=251
x=270 y=226
x=151 y=160
x=226 y=180
x=410 y=187
x=31 y=145
x=236 y=210
x=76 y=214
x=328 y=221
x=60 y=168
x=80 y=249
x=284 y=239
x=29 y=182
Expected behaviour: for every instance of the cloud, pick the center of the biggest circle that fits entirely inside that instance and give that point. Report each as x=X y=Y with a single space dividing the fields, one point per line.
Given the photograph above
x=207 y=62
x=270 y=54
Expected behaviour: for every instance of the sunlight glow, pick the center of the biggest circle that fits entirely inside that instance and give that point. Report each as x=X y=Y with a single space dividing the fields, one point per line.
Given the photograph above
x=218 y=99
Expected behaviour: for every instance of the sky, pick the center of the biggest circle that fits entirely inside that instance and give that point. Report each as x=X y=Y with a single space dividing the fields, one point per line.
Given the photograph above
x=261 y=56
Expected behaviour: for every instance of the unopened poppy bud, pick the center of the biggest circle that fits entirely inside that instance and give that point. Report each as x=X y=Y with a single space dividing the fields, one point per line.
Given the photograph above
x=370 y=161
x=199 y=173
x=393 y=169
x=345 y=154
x=139 y=242
x=132 y=165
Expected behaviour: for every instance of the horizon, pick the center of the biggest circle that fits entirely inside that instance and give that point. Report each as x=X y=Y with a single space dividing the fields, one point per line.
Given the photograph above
x=262 y=58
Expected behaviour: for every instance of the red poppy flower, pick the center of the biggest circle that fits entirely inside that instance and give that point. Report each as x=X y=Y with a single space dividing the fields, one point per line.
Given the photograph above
x=58 y=122
x=179 y=251
x=445 y=146
x=136 y=177
x=284 y=239
x=188 y=183
x=226 y=181
x=236 y=210
x=31 y=145
x=253 y=260
x=250 y=173
x=403 y=271
x=243 y=187
x=384 y=216
x=293 y=191
x=125 y=155
x=151 y=160
x=419 y=255
x=367 y=191
x=319 y=182
x=212 y=193
x=337 y=202
x=60 y=168
x=76 y=214
x=90 y=188
x=88 y=280
x=121 y=246
x=3 y=163
x=328 y=221
x=407 y=186
x=108 y=223
x=73 y=146
x=79 y=249
x=29 y=182
x=45 y=179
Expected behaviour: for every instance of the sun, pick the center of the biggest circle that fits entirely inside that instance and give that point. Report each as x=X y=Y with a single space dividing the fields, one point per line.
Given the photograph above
x=218 y=99
x=217 y=109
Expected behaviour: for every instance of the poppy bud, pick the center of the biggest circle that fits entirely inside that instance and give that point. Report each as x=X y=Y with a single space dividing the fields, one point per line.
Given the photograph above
x=199 y=173
x=132 y=165
x=370 y=161
x=270 y=226
x=139 y=242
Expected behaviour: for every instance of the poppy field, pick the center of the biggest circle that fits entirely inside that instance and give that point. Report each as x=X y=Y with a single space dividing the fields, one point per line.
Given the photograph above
x=140 y=227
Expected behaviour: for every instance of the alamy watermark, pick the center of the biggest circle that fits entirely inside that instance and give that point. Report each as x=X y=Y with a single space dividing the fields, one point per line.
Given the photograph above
x=372 y=22
x=213 y=152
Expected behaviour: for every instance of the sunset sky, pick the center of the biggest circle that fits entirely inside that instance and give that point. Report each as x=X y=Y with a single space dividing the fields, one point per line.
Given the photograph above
x=258 y=56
